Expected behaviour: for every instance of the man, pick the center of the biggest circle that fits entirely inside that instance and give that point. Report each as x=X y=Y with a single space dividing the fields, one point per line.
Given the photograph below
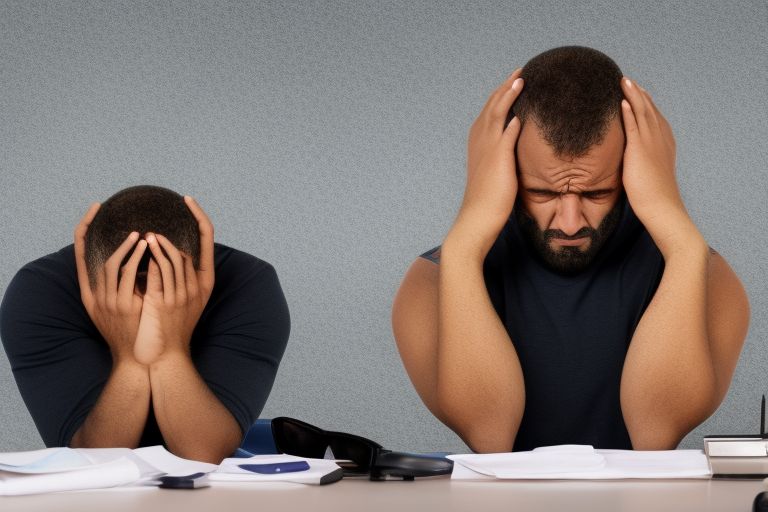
x=593 y=312
x=125 y=340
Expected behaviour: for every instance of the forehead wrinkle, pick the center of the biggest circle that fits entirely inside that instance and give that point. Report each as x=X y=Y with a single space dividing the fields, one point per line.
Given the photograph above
x=567 y=179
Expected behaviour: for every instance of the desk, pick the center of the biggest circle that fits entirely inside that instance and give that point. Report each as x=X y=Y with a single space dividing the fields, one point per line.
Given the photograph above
x=436 y=494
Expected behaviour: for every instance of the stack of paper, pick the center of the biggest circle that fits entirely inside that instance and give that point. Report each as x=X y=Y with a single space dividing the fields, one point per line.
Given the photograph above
x=66 y=469
x=581 y=462
x=317 y=472
x=62 y=469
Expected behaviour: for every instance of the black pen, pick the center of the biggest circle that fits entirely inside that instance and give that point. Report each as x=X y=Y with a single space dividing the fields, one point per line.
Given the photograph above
x=763 y=433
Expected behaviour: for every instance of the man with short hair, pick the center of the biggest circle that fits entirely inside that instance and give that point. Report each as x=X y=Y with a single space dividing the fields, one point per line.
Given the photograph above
x=145 y=332
x=573 y=301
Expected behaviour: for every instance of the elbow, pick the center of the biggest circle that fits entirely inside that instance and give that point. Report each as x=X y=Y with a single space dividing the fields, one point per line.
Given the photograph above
x=666 y=432
x=483 y=433
x=484 y=440
x=658 y=438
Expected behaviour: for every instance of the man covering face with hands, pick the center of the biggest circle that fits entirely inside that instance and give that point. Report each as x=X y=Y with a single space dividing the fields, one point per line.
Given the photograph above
x=145 y=331
x=573 y=301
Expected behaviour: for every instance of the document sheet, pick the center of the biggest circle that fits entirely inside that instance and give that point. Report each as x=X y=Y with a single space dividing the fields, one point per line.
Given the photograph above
x=579 y=462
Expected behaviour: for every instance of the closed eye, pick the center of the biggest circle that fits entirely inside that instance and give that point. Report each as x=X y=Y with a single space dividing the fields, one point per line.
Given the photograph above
x=542 y=193
x=597 y=194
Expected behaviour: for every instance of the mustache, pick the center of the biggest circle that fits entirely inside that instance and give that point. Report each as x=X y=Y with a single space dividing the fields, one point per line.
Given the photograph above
x=549 y=234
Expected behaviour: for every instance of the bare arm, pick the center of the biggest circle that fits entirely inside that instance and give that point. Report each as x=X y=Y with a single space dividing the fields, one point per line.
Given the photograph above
x=119 y=416
x=194 y=423
x=453 y=344
x=479 y=379
x=686 y=346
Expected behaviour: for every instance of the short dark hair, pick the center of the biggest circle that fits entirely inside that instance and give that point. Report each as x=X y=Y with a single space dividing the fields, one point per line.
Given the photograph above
x=145 y=209
x=571 y=93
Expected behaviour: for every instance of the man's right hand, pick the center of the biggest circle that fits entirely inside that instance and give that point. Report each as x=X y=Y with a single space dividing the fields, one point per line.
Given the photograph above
x=113 y=304
x=491 y=176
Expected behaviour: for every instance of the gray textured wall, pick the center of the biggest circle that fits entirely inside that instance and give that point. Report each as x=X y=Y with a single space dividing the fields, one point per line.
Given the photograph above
x=329 y=139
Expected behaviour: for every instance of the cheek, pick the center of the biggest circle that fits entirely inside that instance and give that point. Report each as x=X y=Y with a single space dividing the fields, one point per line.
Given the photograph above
x=543 y=212
x=594 y=213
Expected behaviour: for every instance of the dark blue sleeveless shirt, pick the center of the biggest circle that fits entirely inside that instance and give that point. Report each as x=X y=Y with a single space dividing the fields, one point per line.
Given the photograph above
x=572 y=333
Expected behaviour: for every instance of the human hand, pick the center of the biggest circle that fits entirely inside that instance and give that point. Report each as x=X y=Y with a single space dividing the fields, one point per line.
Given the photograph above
x=113 y=304
x=176 y=293
x=649 y=160
x=491 y=185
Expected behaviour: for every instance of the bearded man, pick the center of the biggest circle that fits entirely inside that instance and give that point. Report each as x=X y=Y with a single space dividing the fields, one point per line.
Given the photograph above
x=573 y=301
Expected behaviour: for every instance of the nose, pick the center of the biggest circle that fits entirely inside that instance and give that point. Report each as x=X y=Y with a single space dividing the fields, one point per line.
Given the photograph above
x=569 y=218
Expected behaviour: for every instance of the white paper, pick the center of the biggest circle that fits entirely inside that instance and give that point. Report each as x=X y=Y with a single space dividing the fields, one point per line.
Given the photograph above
x=49 y=460
x=65 y=469
x=581 y=462
x=167 y=463
x=118 y=472
x=229 y=471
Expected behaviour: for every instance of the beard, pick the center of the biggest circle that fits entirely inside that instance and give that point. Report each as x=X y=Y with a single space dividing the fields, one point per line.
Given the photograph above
x=567 y=260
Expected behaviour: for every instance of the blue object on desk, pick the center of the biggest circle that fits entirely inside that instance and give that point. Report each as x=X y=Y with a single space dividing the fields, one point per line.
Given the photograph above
x=276 y=468
x=258 y=440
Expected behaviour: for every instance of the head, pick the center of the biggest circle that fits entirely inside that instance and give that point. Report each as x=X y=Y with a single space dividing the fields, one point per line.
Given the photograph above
x=569 y=155
x=145 y=209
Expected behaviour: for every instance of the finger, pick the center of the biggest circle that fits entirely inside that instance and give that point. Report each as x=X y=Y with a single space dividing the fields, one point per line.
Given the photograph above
x=100 y=293
x=82 y=269
x=112 y=267
x=154 y=279
x=125 y=291
x=511 y=133
x=636 y=100
x=501 y=108
x=656 y=113
x=166 y=269
x=177 y=260
x=206 y=269
x=505 y=85
x=191 y=276
x=630 y=124
x=652 y=112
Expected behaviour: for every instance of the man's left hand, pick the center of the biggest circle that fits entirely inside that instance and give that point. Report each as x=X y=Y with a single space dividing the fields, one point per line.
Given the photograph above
x=649 y=167
x=176 y=293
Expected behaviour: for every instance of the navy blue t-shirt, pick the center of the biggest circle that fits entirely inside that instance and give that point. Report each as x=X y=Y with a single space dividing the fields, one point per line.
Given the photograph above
x=61 y=363
x=572 y=333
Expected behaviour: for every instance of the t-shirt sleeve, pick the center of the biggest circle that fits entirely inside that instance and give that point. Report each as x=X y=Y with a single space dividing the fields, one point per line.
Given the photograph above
x=241 y=338
x=58 y=359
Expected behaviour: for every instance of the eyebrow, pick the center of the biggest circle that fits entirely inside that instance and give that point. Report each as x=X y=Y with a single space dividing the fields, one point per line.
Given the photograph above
x=546 y=191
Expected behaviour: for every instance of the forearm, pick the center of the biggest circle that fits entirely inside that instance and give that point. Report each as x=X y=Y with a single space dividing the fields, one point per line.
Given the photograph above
x=480 y=387
x=194 y=423
x=669 y=383
x=119 y=416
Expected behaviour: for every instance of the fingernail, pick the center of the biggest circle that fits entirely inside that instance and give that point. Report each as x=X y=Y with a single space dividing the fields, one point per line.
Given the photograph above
x=629 y=82
x=517 y=83
x=151 y=238
x=134 y=235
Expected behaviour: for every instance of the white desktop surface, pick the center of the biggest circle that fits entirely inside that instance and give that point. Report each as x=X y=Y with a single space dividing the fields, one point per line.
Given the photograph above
x=435 y=494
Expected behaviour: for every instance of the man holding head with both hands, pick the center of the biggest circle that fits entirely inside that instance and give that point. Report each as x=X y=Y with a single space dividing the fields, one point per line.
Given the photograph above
x=145 y=332
x=573 y=301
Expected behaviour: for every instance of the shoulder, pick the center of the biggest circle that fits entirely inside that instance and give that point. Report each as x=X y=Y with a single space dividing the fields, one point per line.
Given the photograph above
x=54 y=274
x=235 y=267
x=43 y=298
x=244 y=283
